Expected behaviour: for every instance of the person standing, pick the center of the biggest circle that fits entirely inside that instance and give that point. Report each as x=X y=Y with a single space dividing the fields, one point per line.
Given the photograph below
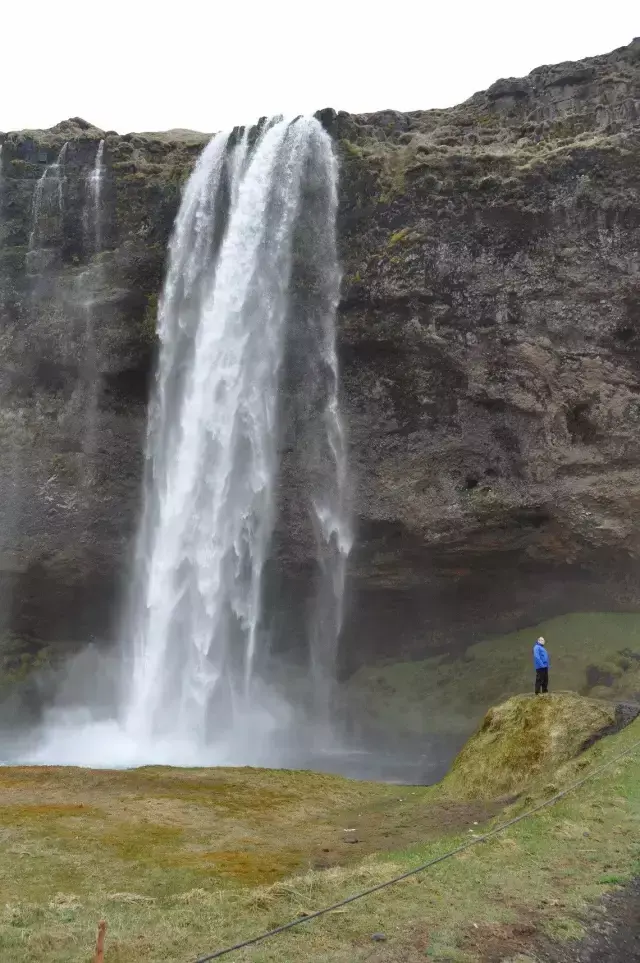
x=541 y=664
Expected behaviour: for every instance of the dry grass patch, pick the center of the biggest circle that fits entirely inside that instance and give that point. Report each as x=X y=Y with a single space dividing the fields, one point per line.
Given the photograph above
x=523 y=738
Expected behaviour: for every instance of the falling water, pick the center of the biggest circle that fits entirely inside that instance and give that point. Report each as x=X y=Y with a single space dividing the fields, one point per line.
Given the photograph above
x=319 y=420
x=251 y=289
x=92 y=211
x=89 y=282
x=46 y=223
x=212 y=449
x=47 y=205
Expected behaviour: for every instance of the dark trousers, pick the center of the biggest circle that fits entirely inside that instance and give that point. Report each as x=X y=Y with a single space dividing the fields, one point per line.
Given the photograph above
x=542 y=681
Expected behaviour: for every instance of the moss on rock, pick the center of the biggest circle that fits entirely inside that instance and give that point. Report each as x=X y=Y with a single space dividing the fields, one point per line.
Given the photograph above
x=524 y=738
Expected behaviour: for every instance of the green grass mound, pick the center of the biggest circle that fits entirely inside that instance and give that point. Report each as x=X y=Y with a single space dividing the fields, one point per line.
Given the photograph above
x=523 y=738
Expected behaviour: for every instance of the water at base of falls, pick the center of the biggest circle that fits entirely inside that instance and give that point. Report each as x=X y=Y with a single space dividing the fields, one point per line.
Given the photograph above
x=252 y=265
x=76 y=738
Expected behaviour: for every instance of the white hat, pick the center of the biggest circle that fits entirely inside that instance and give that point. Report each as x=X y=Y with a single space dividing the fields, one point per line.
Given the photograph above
x=541 y=641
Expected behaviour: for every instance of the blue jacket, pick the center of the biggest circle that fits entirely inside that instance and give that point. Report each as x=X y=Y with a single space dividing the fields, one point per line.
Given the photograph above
x=540 y=657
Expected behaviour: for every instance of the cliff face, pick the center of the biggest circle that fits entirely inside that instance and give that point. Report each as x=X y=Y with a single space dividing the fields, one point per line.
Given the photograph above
x=78 y=340
x=489 y=336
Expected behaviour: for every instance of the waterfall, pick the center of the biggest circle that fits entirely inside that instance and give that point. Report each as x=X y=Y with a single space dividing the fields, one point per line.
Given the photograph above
x=89 y=282
x=92 y=215
x=47 y=207
x=212 y=460
x=319 y=420
x=247 y=370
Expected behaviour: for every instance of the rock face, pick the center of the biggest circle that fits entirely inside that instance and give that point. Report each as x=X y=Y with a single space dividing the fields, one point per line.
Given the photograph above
x=490 y=331
x=489 y=336
x=77 y=334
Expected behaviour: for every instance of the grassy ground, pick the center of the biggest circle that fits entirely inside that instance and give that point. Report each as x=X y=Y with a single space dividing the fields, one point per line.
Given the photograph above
x=183 y=861
x=523 y=739
x=596 y=654
x=157 y=851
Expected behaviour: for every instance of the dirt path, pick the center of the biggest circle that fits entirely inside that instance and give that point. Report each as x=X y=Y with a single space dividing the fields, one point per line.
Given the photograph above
x=614 y=936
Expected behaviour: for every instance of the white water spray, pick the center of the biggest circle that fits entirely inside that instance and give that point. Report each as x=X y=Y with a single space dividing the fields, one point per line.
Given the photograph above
x=323 y=430
x=212 y=451
x=92 y=216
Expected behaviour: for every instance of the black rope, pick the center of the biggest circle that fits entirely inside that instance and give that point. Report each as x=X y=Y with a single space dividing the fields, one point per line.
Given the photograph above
x=419 y=869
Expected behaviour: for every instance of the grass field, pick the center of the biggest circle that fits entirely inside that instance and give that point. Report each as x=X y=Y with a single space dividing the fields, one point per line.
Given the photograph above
x=180 y=862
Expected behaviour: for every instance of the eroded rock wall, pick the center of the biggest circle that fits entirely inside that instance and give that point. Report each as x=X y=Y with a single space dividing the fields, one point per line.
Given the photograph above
x=490 y=346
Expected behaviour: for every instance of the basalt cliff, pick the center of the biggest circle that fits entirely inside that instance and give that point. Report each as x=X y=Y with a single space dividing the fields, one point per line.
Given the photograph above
x=489 y=343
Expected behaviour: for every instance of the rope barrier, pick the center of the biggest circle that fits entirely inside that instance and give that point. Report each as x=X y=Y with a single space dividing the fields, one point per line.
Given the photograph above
x=299 y=921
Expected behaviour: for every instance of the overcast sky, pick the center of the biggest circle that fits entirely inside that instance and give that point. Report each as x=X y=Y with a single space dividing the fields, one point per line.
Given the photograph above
x=152 y=65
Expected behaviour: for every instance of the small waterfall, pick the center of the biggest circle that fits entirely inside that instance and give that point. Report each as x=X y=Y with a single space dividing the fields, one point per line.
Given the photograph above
x=92 y=217
x=253 y=206
x=47 y=208
x=321 y=424
x=89 y=283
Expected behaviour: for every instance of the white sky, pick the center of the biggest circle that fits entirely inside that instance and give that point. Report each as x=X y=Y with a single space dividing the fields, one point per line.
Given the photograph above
x=208 y=64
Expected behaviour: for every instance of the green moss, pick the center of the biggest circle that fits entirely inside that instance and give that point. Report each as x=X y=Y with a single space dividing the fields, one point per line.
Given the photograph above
x=523 y=738
x=24 y=169
x=353 y=150
x=178 y=174
x=150 y=319
x=398 y=236
x=134 y=177
x=19 y=658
